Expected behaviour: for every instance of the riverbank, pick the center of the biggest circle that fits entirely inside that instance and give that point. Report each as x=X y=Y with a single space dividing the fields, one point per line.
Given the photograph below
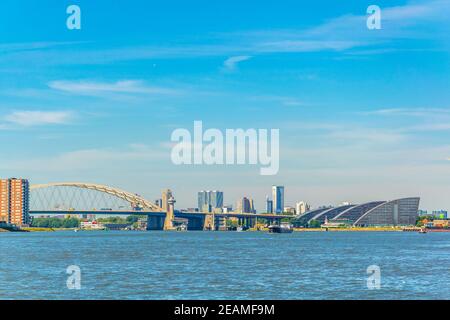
x=352 y=229
x=11 y=230
x=33 y=229
x=38 y=229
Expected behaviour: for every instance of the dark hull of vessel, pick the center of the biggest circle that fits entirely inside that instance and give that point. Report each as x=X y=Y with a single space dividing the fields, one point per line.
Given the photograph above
x=278 y=229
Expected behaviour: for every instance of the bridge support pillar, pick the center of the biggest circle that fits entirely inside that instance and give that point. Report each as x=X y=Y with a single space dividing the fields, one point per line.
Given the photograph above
x=248 y=222
x=220 y=223
x=252 y=222
x=170 y=214
x=195 y=224
x=209 y=223
x=155 y=223
x=168 y=221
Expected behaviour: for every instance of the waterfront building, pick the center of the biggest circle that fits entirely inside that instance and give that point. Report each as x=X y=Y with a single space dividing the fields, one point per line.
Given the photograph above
x=158 y=203
x=439 y=224
x=302 y=207
x=245 y=205
x=216 y=199
x=278 y=199
x=289 y=210
x=91 y=217
x=91 y=225
x=422 y=212
x=269 y=205
x=227 y=209
x=252 y=206
x=15 y=201
x=4 y=200
x=210 y=201
x=202 y=199
x=400 y=212
x=440 y=214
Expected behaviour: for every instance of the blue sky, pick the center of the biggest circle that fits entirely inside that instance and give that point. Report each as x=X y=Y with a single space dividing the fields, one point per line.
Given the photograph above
x=363 y=114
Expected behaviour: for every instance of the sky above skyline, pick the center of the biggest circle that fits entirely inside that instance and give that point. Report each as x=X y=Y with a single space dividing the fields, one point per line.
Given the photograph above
x=363 y=114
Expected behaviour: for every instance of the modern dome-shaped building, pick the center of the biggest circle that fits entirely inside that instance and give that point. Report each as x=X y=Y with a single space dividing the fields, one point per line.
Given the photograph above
x=400 y=212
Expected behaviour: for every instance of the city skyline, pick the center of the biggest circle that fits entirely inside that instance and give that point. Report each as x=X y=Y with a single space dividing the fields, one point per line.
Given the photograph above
x=15 y=208
x=99 y=104
x=208 y=201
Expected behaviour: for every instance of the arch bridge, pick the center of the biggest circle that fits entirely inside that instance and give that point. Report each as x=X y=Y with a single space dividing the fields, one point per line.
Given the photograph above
x=84 y=199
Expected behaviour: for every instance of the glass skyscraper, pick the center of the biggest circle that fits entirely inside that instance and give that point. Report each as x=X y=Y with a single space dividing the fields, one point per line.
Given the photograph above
x=278 y=198
x=210 y=200
x=269 y=205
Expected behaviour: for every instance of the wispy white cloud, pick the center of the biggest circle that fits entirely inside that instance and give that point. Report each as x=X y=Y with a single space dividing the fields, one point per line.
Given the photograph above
x=283 y=100
x=346 y=33
x=417 y=119
x=397 y=22
x=100 y=88
x=298 y=45
x=230 y=64
x=410 y=112
x=95 y=159
x=28 y=46
x=36 y=118
x=349 y=34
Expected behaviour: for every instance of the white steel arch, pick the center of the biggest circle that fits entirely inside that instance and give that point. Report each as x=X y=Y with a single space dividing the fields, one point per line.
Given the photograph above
x=127 y=196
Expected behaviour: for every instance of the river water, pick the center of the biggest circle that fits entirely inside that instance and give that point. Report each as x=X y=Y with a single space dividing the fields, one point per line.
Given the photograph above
x=225 y=265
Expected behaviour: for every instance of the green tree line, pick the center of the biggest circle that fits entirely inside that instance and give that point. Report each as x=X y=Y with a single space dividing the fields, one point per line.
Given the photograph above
x=55 y=223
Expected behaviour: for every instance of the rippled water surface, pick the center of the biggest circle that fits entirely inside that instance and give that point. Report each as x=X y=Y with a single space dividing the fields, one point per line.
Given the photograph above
x=224 y=265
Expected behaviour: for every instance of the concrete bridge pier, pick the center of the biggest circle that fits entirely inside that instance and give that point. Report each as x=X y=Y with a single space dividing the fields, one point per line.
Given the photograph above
x=196 y=224
x=249 y=222
x=209 y=223
x=170 y=214
x=155 y=223
x=220 y=223
x=252 y=222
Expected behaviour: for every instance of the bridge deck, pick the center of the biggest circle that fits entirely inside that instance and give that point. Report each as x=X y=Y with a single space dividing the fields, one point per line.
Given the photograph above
x=157 y=213
x=96 y=212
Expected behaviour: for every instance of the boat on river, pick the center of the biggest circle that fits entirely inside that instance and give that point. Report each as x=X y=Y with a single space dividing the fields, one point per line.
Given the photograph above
x=282 y=228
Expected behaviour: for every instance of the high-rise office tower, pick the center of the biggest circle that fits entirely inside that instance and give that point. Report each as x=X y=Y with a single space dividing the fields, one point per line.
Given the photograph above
x=14 y=201
x=252 y=206
x=269 y=205
x=245 y=205
x=203 y=201
x=216 y=199
x=4 y=200
x=278 y=198
x=209 y=201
